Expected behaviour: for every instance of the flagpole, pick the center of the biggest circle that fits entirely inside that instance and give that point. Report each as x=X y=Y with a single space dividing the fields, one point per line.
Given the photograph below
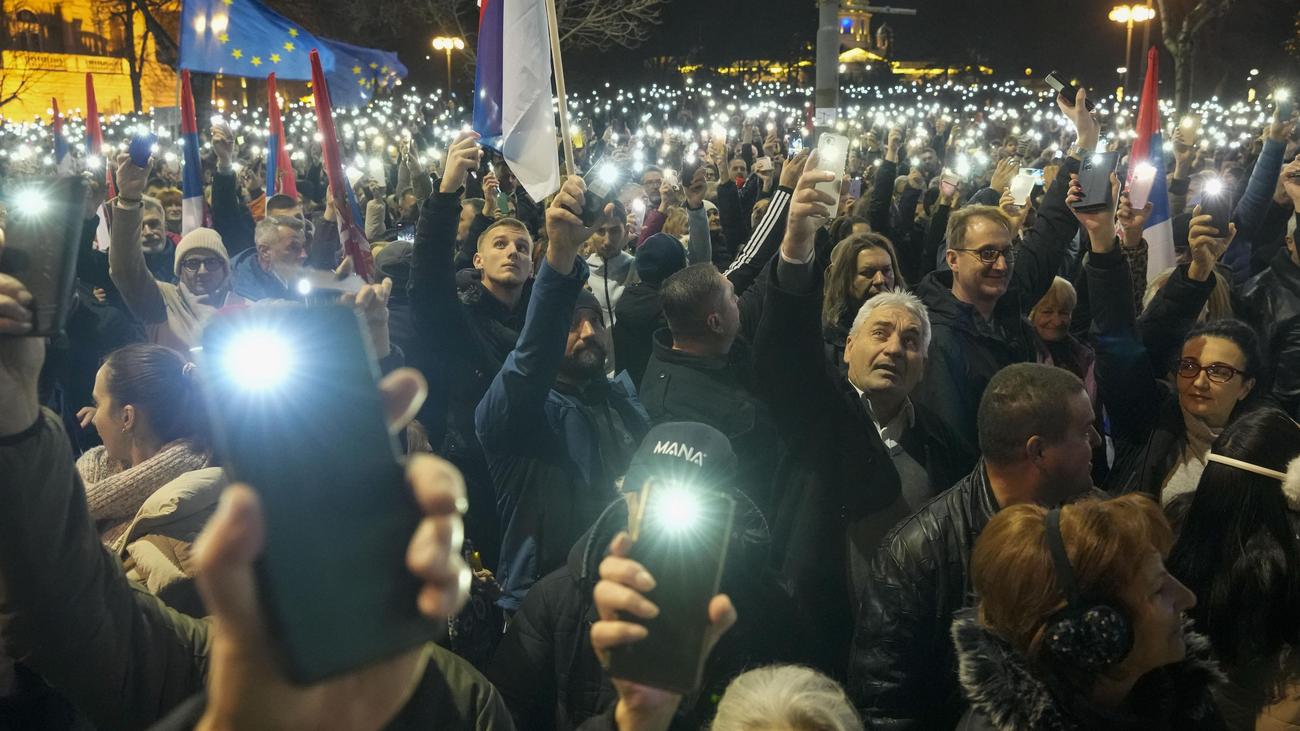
x=557 y=64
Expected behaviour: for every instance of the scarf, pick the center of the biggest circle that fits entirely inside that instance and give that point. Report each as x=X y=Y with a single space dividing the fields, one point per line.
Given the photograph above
x=1191 y=461
x=115 y=492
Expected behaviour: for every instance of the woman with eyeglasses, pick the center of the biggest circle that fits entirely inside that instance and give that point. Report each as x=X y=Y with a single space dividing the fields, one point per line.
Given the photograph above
x=1163 y=431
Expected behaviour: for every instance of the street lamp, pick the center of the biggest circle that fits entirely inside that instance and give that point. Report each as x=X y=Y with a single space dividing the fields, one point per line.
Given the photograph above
x=1128 y=15
x=448 y=44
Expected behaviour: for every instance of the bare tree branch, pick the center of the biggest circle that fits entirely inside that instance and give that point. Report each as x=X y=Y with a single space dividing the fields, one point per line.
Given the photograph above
x=14 y=83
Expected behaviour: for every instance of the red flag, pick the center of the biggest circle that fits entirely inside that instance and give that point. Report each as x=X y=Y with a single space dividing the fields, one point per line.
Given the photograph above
x=62 y=158
x=95 y=135
x=279 y=169
x=354 y=242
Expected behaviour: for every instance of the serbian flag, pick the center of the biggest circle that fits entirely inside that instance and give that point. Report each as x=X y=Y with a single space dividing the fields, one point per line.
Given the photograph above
x=279 y=170
x=62 y=160
x=354 y=242
x=1149 y=146
x=513 y=111
x=191 y=170
x=95 y=152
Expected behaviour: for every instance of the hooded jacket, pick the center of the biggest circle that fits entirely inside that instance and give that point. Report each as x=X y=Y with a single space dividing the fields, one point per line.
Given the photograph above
x=640 y=314
x=1007 y=693
x=903 y=670
x=965 y=349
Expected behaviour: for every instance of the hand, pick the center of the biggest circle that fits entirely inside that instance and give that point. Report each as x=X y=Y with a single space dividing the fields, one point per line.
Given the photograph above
x=1206 y=245
x=345 y=268
x=99 y=294
x=1016 y=213
x=809 y=208
x=131 y=178
x=94 y=195
x=619 y=593
x=668 y=197
x=491 y=187
x=1100 y=225
x=1004 y=172
x=246 y=688
x=371 y=301
x=791 y=170
x=1132 y=222
x=893 y=143
x=1291 y=182
x=695 y=190
x=916 y=179
x=1085 y=124
x=85 y=415
x=331 y=211
x=564 y=228
x=223 y=145
x=20 y=359
x=463 y=155
x=1279 y=130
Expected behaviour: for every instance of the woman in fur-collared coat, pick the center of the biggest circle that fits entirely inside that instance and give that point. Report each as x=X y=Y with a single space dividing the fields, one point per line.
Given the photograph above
x=1088 y=633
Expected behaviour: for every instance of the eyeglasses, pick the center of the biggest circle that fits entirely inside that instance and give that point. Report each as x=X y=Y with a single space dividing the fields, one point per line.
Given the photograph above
x=192 y=264
x=1217 y=372
x=990 y=256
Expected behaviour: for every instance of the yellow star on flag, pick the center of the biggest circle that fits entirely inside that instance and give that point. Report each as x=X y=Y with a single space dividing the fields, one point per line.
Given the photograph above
x=223 y=37
x=293 y=32
x=237 y=53
x=356 y=70
x=257 y=61
x=374 y=65
x=275 y=58
x=288 y=45
x=228 y=2
x=384 y=70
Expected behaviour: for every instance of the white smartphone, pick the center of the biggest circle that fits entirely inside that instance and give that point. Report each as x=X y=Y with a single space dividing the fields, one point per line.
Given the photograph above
x=832 y=156
x=670 y=177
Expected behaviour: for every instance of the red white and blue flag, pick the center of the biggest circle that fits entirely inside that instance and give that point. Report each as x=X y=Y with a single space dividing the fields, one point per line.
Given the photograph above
x=1149 y=146
x=354 y=242
x=191 y=170
x=95 y=152
x=513 y=109
x=279 y=169
x=62 y=160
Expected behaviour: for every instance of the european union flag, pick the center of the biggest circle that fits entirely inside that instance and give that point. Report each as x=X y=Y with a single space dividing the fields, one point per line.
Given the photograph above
x=359 y=72
x=246 y=38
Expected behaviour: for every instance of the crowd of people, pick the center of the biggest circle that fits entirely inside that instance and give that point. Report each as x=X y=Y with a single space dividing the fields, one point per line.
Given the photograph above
x=991 y=469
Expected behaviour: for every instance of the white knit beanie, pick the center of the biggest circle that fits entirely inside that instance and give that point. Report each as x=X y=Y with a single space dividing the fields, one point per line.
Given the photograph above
x=200 y=238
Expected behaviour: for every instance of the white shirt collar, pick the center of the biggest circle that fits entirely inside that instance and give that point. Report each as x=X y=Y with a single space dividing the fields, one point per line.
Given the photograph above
x=892 y=433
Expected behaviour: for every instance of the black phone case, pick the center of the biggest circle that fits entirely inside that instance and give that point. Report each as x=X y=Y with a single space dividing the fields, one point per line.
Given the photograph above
x=1067 y=90
x=1219 y=208
x=41 y=250
x=333 y=578
x=688 y=572
x=1094 y=177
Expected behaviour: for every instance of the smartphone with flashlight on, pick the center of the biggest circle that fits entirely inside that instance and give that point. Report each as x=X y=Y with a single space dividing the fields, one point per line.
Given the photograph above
x=1217 y=203
x=832 y=156
x=603 y=183
x=297 y=414
x=680 y=535
x=41 y=237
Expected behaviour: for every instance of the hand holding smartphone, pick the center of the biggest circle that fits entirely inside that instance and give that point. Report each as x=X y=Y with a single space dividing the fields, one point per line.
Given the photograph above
x=1066 y=90
x=833 y=157
x=42 y=235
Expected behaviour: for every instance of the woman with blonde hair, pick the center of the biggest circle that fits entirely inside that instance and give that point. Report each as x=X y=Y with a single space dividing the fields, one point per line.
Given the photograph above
x=1079 y=625
x=785 y=697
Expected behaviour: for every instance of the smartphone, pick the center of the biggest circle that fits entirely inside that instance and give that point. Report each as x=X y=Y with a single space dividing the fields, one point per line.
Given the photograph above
x=1022 y=148
x=141 y=148
x=1094 y=177
x=1285 y=106
x=796 y=146
x=855 y=187
x=1066 y=90
x=604 y=180
x=41 y=237
x=333 y=605
x=503 y=202
x=1217 y=203
x=680 y=535
x=672 y=179
x=948 y=183
x=832 y=156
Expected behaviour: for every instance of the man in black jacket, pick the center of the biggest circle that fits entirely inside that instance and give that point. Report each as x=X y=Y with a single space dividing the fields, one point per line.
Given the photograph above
x=1036 y=433
x=978 y=307
x=864 y=455
x=701 y=371
x=461 y=338
x=1271 y=302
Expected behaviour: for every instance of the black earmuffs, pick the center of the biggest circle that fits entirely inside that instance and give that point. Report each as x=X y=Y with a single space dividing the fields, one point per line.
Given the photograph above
x=1087 y=634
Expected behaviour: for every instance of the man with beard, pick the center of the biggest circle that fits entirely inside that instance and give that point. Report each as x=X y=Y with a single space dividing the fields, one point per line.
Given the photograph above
x=557 y=433
x=172 y=314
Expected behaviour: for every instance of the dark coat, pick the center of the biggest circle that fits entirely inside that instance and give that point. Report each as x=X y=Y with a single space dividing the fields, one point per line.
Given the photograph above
x=717 y=391
x=249 y=280
x=1271 y=303
x=903 y=670
x=840 y=474
x=637 y=316
x=1007 y=693
x=966 y=350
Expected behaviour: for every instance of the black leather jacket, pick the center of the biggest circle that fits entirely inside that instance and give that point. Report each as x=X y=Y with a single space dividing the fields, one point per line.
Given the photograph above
x=1271 y=303
x=903 y=668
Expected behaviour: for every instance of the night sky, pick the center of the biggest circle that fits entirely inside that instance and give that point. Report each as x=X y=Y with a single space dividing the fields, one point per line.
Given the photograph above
x=1008 y=35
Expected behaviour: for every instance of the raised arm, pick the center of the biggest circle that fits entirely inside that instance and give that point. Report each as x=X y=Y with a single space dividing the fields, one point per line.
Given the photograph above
x=126 y=264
